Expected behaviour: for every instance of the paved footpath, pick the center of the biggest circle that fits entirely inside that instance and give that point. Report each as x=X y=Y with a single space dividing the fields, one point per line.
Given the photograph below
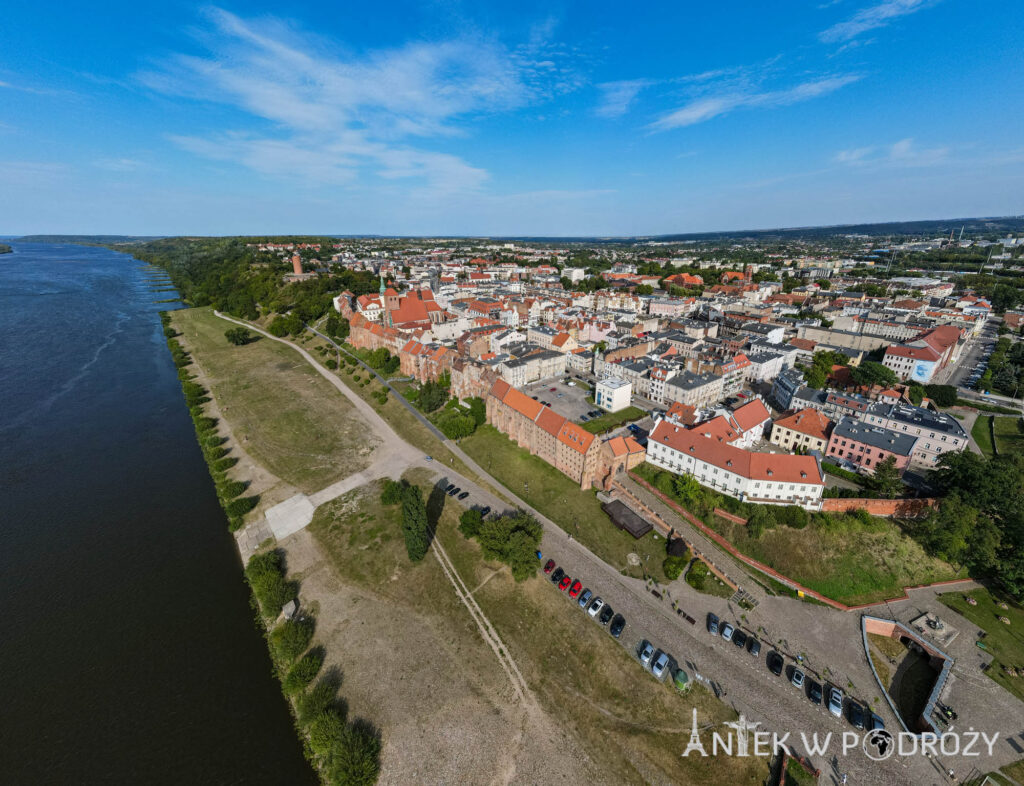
x=738 y=679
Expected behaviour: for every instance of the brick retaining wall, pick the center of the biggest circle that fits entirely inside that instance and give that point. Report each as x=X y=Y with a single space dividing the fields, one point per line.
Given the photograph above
x=901 y=508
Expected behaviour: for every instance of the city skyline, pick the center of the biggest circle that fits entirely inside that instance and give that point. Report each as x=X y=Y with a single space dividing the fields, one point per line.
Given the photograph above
x=447 y=119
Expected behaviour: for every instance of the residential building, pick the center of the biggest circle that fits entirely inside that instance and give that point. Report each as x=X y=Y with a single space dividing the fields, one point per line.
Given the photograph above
x=937 y=433
x=807 y=429
x=867 y=446
x=613 y=394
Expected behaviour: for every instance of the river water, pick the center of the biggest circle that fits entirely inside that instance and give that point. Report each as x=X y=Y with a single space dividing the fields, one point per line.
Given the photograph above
x=128 y=652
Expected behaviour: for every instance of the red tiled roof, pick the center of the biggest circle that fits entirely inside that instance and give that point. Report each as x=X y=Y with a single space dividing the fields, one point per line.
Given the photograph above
x=575 y=437
x=751 y=414
x=807 y=421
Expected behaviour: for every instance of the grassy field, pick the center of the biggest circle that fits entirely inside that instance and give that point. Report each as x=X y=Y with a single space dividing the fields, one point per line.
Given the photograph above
x=982 y=434
x=1009 y=437
x=1004 y=642
x=797 y=774
x=561 y=500
x=611 y=420
x=630 y=725
x=289 y=418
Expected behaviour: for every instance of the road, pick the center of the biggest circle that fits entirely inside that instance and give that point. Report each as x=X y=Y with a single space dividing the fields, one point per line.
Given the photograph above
x=821 y=635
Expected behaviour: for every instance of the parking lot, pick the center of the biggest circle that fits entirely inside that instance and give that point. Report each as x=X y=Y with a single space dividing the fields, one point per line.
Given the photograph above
x=569 y=401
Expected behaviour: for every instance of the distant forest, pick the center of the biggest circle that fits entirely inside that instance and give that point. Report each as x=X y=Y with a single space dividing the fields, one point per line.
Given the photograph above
x=4 y=248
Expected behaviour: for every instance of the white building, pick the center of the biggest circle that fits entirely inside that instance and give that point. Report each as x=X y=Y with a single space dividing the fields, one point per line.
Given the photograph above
x=613 y=394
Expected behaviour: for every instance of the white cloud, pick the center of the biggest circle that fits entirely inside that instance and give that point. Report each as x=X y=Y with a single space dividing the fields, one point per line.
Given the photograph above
x=714 y=105
x=901 y=153
x=872 y=18
x=617 y=97
x=330 y=117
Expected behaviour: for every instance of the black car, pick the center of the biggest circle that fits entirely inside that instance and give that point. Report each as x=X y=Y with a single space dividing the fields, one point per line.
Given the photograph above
x=534 y=398
x=754 y=646
x=463 y=495
x=814 y=691
x=449 y=487
x=855 y=714
x=739 y=638
x=485 y=510
x=454 y=491
x=617 y=625
x=775 y=663
x=605 y=615
x=557 y=575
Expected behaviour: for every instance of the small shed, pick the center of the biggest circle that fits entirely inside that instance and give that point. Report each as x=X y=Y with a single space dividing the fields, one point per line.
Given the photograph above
x=627 y=519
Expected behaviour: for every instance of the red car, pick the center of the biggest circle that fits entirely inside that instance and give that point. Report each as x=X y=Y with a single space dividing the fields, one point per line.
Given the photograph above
x=550 y=566
x=563 y=585
x=575 y=589
x=552 y=390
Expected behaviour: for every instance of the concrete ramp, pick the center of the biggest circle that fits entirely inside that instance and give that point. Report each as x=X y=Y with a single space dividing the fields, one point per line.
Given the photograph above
x=290 y=516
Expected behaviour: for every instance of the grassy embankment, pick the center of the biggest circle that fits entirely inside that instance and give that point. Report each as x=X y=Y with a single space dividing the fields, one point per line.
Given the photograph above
x=1003 y=641
x=612 y=420
x=561 y=500
x=287 y=417
x=632 y=726
x=852 y=559
x=1006 y=431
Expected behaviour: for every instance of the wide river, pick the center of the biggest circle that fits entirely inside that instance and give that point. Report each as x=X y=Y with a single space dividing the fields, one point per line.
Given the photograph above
x=128 y=652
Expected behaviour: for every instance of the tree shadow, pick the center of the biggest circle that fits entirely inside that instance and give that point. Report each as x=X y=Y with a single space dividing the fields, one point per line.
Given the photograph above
x=435 y=507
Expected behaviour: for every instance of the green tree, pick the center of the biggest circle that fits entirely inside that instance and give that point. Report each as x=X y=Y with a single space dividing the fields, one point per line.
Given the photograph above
x=513 y=539
x=355 y=758
x=431 y=396
x=290 y=639
x=886 y=481
x=415 y=527
x=942 y=395
x=470 y=523
x=238 y=336
x=872 y=373
x=304 y=671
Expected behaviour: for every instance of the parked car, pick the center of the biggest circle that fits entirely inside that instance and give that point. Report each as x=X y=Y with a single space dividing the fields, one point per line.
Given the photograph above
x=855 y=714
x=727 y=631
x=646 y=652
x=814 y=691
x=874 y=722
x=534 y=397
x=552 y=390
x=454 y=491
x=485 y=510
x=775 y=663
x=584 y=418
x=617 y=625
x=585 y=598
x=835 y=701
x=595 y=606
x=659 y=665
x=563 y=585
x=606 y=614
x=754 y=646
x=712 y=624
x=449 y=487
x=546 y=403
x=549 y=566
x=797 y=678
x=739 y=638
x=557 y=575
x=574 y=590
x=463 y=495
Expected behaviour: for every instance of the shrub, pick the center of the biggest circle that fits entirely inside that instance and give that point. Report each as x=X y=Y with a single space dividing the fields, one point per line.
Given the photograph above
x=214 y=454
x=204 y=424
x=265 y=573
x=355 y=758
x=697 y=575
x=232 y=489
x=392 y=493
x=318 y=699
x=470 y=523
x=224 y=464
x=331 y=363
x=304 y=671
x=290 y=639
x=325 y=732
x=241 y=505
x=674 y=566
x=792 y=516
x=415 y=528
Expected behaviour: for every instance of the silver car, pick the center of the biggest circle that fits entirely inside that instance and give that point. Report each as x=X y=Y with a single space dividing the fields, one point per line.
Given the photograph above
x=646 y=652
x=659 y=665
x=585 y=597
x=798 y=678
x=727 y=631
x=835 y=701
x=595 y=607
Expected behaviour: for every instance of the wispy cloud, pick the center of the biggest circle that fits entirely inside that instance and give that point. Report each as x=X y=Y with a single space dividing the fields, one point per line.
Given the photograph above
x=120 y=164
x=728 y=100
x=872 y=18
x=333 y=118
x=902 y=153
x=617 y=97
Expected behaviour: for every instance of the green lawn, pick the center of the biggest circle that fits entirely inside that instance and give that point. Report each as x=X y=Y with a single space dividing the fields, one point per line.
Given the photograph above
x=285 y=415
x=1009 y=437
x=561 y=500
x=1004 y=642
x=612 y=420
x=797 y=775
x=840 y=556
x=982 y=435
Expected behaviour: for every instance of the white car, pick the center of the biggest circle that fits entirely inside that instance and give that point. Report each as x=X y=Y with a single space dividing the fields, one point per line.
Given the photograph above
x=659 y=665
x=595 y=606
x=646 y=652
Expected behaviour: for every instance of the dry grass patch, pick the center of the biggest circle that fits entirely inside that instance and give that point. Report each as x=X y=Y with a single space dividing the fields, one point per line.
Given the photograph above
x=287 y=417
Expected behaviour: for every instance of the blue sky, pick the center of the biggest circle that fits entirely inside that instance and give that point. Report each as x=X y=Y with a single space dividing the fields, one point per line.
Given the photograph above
x=527 y=118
